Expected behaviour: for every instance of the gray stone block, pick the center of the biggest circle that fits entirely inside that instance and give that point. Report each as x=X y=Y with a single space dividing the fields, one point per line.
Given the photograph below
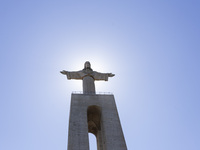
x=96 y=114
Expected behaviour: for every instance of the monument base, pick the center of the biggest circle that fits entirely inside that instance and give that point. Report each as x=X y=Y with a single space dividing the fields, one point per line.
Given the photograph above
x=96 y=114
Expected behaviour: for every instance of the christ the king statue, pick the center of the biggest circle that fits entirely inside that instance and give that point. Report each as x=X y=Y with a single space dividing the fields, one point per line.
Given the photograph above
x=88 y=76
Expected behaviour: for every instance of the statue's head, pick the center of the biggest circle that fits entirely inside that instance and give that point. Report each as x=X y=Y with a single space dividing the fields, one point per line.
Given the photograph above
x=87 y=65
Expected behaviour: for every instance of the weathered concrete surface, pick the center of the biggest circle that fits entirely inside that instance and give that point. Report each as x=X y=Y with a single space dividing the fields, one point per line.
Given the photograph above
x=96 y=114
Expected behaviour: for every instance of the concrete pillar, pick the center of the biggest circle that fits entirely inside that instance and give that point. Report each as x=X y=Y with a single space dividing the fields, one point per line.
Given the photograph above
x=96 y=114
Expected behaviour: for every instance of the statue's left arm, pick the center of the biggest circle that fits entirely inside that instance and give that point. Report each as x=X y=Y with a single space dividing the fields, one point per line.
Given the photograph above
x=102 y=76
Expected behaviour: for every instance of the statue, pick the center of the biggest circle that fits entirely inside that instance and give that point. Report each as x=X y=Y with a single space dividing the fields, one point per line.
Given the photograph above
x=88 y=76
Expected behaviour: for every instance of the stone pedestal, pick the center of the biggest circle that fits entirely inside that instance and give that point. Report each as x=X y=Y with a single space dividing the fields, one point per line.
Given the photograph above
x=96 y=114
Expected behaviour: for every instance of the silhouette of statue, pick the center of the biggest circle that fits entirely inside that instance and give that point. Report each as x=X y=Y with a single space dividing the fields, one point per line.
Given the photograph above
x=88 y=76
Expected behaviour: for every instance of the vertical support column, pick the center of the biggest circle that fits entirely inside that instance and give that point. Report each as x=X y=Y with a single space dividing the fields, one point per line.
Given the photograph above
x=113 y=138
x=78 y=127
x=99 y=141
x=109 y=136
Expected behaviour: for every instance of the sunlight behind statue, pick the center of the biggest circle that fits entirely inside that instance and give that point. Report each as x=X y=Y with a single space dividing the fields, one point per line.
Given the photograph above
x=88 y=76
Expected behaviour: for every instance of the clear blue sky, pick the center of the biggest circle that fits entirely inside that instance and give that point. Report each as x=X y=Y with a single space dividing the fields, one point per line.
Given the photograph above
x=153 y=48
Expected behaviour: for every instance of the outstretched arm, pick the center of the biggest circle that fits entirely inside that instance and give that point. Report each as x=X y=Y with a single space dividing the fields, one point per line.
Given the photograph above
x=64 y=72
x=102 y=76
x=111 y=75
x=72 y=74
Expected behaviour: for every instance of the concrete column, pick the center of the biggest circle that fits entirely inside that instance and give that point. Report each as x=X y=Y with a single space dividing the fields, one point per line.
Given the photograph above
x=109 y=134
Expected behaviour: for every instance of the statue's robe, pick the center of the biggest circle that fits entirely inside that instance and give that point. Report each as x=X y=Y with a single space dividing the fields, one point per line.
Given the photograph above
x=88 y=76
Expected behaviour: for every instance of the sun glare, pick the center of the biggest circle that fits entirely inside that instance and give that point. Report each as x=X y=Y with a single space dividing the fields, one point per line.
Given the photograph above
x=101 y=62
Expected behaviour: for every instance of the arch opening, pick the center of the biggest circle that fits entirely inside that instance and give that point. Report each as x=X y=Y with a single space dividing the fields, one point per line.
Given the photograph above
x=94 y=125
x=92 y=141
x=94 y=119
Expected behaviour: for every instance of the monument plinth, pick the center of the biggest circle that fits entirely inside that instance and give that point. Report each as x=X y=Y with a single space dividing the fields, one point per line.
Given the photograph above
x=94 y=113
